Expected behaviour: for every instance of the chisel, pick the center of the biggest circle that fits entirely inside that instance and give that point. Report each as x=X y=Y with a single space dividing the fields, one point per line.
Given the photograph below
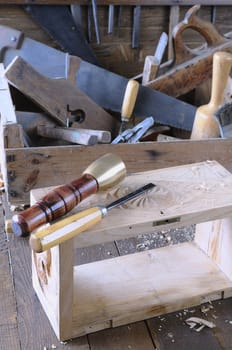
x=128 y=104
x=69 y=227
x=110 y=19
x=152 y=63
x=136 y=27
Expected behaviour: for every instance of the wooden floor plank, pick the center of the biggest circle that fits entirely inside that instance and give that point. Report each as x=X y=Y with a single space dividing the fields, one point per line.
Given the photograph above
x=220 y=312
x=134 y=336
x=171 y=332
x=9 y=337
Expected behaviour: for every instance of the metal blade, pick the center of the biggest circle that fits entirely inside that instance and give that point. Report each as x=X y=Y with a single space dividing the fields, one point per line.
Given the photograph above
x=161 y=47
x=130 y=196
x=58 y=22
x=165 y=109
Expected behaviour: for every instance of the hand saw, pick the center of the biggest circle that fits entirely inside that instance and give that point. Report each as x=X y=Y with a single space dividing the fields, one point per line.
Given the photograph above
x=104 y=87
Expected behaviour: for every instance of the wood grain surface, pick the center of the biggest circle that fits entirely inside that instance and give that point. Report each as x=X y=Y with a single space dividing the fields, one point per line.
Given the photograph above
x=48 y=163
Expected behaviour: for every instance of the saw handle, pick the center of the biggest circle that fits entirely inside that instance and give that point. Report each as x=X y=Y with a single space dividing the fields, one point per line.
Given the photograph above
x=56 y=203
x=64 y=229
x=129 y=99
x=193 y=22
x=205 y=124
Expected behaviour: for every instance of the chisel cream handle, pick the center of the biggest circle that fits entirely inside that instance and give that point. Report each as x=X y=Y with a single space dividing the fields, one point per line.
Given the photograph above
x=65 y=229
x=129 y=100
x=205 y=124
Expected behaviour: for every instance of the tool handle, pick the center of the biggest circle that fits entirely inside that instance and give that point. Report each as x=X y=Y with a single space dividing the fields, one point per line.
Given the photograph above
x=205 y=124
x=74 y=135
x=64 y=229
x=55 y=204
x=191 y=21
x=129 y=100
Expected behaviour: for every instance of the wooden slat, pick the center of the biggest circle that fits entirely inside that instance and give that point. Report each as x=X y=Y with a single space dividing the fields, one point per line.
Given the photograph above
x=36 y=166
x=8 y=312
x=220 y=313
x=123 y=2
x=171 y=332
x=133 y=336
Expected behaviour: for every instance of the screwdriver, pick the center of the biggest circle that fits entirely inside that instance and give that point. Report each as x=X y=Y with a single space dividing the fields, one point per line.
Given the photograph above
x=69 y=227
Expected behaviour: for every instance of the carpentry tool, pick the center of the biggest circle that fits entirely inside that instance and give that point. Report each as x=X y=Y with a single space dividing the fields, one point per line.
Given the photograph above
x=69 y=227
x=205 y=126
x=105 y=172
x=58 y=22
x=136 y=27
x=74 y=135
x=134 y=135
x=102 y=86
x=78 y=136
x=76 y=14
x=58 y=97
x=152 y=63
x=128 y=104
x=224 y=117
x=190 y=67
x=110 y=19
x=95 y=19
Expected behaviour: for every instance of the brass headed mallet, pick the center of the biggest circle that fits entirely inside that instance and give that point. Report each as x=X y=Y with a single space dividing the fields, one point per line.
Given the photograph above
x=101 y=175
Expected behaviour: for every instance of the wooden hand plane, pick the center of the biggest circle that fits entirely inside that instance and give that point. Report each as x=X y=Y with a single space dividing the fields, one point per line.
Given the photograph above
x=190 y=67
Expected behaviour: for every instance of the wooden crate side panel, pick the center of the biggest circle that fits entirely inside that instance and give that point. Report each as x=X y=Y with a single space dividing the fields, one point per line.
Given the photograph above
x=215 y=239
x=39 y=167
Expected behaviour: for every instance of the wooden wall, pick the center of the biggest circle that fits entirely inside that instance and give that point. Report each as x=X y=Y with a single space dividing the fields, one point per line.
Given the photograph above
x=115 y=52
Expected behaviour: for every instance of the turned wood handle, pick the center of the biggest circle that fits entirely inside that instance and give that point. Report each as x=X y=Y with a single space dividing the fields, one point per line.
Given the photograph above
x=205 y=124
x=55 y=204
x=129 y=100
x=64 y=229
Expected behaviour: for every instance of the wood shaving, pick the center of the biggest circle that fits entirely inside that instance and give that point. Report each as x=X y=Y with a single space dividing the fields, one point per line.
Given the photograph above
x=194 y=321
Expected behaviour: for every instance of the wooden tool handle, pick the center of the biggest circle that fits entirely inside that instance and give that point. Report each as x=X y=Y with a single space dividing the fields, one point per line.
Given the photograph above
x=78 y=136
x=193 y=22
x=64 y=229
x=205 y=124
x=55 y=204
x=129 y=100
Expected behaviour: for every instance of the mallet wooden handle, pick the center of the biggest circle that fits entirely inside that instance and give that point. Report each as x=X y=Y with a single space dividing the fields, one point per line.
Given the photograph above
x=56 y=203
x=65 y=229
x=205 y=125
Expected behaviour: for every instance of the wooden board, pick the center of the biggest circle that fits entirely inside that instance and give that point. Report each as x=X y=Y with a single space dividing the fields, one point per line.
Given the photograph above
x=142 y=285
x=8 y=309
x=173 y=202
x=31 y=168
x=122 y=2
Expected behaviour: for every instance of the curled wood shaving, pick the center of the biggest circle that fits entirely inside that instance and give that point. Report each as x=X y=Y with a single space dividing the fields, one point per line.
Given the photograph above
x=194 y=321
